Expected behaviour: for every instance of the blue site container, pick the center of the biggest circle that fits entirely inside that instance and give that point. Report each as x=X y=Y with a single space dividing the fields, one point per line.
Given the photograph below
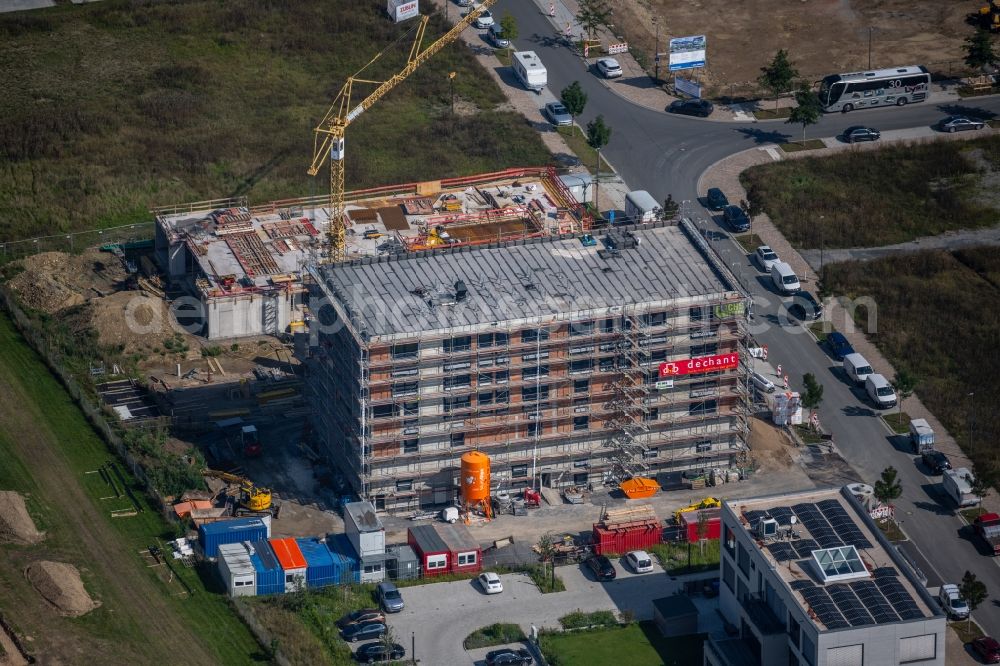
x=319 y=563
x=270 y=575
x=213 y=535
x=345 y=562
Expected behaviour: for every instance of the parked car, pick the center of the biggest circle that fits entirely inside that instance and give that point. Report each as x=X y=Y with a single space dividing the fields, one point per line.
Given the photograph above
x=959 y=123
x=495 y=35
x=490 y=582
x=484 y=20
x=379 y=652
x=762 y=383
x=952 y=602
x=509 y=657
x=609 y=68
x=805 y=307
x=935 y=461
x=838 y=345
x=389 y=597
x=857 y=133
x=988 y=649
x=557 y=114
x=736 y=218
x=363 y=631
x=602 y=567
x=361 y=616
x=766 y=257
x=716 y=199
x=691 y=107
x=640 y=561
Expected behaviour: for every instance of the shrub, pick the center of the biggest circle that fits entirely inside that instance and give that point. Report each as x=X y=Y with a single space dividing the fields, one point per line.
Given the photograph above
x=494 y=634
x=578 y=619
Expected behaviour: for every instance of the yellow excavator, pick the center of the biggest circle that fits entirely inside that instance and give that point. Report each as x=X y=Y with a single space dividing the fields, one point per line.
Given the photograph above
x=707 y=503
x=989 y=16
x=252 y=498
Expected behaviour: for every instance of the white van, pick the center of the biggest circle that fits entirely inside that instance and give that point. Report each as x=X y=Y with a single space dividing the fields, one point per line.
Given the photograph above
x=762 y=383
x=529 y=70
x=784 y=278
x=857 y=368
x=880 y=391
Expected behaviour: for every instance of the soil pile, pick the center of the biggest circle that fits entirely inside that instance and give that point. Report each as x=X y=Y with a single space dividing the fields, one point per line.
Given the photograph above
x=54 y=281
x=60 y=584
x=16 y=525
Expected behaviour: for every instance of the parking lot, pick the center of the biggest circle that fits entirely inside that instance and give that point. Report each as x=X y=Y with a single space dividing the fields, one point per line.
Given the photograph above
x=438 y=616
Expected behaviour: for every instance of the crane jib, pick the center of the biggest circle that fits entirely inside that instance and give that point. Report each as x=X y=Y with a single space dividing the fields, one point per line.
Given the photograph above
x=355 y=112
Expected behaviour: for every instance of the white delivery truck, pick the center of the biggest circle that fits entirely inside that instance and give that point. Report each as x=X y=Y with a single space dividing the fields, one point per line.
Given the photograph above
x=921 y=436
x=640 y=206
x=957 y=484
x=529 y=70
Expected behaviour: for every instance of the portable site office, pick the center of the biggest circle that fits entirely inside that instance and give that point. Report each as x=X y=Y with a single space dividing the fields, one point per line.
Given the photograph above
x=270 y=575
x=445 y=549
x=236 y=570
x=292 y=562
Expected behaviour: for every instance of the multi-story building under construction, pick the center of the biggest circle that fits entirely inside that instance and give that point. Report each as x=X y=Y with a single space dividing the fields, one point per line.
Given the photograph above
x=543 y=353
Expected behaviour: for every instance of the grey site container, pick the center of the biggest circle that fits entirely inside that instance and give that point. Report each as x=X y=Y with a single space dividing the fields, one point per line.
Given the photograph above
x=402 y=562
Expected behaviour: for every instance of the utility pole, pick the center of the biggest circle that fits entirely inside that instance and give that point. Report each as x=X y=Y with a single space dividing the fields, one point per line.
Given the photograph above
x=869 y=47
x=451 y=81
x=656 y=53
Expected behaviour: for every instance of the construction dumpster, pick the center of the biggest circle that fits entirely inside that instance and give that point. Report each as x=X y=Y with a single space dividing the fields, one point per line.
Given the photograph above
x=622 y=530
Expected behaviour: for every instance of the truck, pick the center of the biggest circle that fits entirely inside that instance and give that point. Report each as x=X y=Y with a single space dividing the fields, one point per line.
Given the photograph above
x=640 y=206
x=957 y=484
x=987 y=527
x=250 y=441
x=529 y=70
x=921 y=436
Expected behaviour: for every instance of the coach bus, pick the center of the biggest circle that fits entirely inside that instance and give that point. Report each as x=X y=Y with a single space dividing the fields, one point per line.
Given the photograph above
x=883 y=87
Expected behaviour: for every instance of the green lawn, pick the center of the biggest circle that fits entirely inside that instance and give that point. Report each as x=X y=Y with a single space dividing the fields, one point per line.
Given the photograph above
x=44 y=401
x=899 y=422
x=967 y=631
x=576 y=139
x=112 y=107
x=750 y=242
x=798 y=146
x=674 y=557
x=637 y=644
x=771 y=113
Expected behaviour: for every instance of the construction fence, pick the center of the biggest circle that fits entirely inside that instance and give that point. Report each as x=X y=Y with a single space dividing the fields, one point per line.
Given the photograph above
x=52 y=357
x=77 y=240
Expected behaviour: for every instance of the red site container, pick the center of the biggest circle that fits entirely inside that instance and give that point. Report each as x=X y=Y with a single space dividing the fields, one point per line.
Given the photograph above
x=689 y=520
x=627 y=536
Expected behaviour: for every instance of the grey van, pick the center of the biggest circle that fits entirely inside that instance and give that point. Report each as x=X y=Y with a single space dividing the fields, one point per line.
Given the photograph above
x=389 y=597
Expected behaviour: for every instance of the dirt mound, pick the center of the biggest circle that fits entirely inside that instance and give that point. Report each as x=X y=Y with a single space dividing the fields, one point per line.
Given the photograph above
x=60 y=584
x=133 y=320
x=55 y=281
x=16 y=526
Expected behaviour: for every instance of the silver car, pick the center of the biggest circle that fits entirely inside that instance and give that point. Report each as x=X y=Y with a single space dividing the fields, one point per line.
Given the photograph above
x=766 y=257
x=609 y=68
x=389 y=597
x=558 y=114
x=960 y=123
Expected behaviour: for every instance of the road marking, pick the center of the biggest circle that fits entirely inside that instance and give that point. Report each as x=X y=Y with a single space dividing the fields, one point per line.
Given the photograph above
x=773 y=153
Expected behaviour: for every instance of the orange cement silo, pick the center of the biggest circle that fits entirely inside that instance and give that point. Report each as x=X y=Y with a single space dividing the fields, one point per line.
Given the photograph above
x=475 y=480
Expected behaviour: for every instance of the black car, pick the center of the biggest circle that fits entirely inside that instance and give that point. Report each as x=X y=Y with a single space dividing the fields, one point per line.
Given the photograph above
x=363 y=631
x=379 y=652
x=691 y=107
x=736 y=218
x=602 y=567
x=805 y=307
x=935 y=461
x=861 y=133
x=508 y=657
x=361 y=616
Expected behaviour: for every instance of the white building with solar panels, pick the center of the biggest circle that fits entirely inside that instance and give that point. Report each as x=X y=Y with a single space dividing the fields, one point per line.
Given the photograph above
x=809 y=579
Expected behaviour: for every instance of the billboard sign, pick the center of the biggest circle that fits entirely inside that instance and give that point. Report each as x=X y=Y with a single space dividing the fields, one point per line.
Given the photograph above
x=401 y=10
x=702 y=364
x=687 y=52
x=688 y=87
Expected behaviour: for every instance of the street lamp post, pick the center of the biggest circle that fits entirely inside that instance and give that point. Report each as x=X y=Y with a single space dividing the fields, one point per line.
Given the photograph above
x=869 y=47
x=822 y=249
x=656 y=53
x=972 y=418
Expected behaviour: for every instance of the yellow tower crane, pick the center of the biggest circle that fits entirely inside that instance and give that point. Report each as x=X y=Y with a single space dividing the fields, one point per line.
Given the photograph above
x=328 y=140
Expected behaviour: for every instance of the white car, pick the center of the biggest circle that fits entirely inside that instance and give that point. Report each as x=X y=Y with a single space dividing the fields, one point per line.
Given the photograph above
x=640 y=561
x=484 y=20
x=490 y=582
x=766 y=257
x=609 y=68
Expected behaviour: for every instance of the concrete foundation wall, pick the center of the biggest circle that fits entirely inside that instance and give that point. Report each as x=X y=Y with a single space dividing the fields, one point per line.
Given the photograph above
x=242 y=316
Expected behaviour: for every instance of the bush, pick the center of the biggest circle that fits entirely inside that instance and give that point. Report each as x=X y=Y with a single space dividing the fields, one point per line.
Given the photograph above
x=578 y=619
x=494 y=634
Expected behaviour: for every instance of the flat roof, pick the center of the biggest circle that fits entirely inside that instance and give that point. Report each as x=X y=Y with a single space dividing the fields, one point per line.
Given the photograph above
x=364 y=517
x=825 y=519
x=533 y=280
x=441 y=538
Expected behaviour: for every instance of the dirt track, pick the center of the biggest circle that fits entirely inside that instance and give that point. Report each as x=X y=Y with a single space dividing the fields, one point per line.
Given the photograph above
x=129 y=592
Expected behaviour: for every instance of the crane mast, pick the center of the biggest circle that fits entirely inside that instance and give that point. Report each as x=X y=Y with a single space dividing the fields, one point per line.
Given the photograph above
x=328 y=137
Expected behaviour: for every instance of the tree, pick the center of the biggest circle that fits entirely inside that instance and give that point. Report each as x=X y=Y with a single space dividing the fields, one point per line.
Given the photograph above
x=973 y=591
x=979 y=52
x=983 y=478
x=778 y=76
x=807 y=109
x=814 y=392
x=509 y=26
x=752 y=206
x=598 y=135
x=905 y=384
x=574 y=98
x=670 y=207
x=887 y=488
x=592 y=15
x=547 y=553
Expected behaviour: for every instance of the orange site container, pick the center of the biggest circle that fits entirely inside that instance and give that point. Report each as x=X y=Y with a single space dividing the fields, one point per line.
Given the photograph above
x=288 y=553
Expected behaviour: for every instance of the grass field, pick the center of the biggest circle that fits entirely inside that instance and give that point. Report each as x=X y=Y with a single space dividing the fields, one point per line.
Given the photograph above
x=47 y=448
x=880 y=197
x=938 y=319
x=115 y=106
x=673 y=557
x=637 y=644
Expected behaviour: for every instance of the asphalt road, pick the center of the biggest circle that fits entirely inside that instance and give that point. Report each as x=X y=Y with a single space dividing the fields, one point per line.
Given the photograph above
x=666 y=154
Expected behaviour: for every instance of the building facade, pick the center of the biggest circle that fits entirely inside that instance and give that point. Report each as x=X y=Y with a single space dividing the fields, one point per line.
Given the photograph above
x=808 y=579
x=544 y=354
